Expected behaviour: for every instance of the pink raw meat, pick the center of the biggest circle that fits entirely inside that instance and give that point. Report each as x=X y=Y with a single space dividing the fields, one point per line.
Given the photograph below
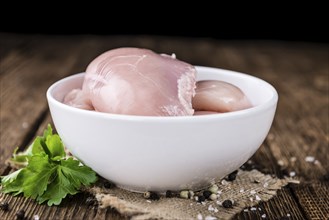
x=78 y=99
x=219 y=96
x=136 y=81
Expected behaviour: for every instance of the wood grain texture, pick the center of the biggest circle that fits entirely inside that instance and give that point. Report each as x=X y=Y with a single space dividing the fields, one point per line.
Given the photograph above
x=299 y=71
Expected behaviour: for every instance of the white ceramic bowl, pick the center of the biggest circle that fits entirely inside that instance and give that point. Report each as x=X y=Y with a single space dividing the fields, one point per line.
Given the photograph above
x=142 y=153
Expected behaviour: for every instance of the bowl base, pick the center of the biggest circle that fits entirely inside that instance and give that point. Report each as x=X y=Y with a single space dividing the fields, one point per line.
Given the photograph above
x=162 y=192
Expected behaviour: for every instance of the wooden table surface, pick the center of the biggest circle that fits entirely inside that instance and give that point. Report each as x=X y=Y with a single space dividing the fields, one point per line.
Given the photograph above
x=299 y=71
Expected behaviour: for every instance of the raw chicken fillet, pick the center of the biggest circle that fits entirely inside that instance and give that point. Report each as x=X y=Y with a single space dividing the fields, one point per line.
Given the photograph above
x=136 y=81
x=218 y=96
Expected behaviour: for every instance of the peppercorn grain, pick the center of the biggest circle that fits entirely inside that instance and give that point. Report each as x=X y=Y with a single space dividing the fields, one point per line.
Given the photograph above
x=227 y=204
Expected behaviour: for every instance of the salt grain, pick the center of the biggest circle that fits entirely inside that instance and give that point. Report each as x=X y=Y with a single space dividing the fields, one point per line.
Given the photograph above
x=258 y=198
x=256 y=181
x=309 y=159
x=265 y=185
x=270 y=136
x=25 y=125
x=216 y=210
x=149 y=201
x=253 y=209
x=280 y=163
x=224 y=182
x=199 y=217
x=36 y=217
x=252 y=192
x=316 y=162
x=293 y=159
x=241 y=190
x=263 y=215
x=245 y=210
x=211 y=208
x=288 y=215
x=292 y=173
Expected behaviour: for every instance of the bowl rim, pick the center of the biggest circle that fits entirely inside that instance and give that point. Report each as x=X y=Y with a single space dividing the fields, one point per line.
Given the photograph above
x=228 y=115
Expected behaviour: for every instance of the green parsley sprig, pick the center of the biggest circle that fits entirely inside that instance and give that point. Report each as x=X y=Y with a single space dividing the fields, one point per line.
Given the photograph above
x=48 y=173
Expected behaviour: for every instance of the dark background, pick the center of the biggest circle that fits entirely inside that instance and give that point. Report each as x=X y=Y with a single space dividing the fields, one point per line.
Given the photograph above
x=267 y=22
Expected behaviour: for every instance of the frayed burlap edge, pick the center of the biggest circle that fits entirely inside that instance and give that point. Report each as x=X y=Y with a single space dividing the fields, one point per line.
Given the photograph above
x=249 y=188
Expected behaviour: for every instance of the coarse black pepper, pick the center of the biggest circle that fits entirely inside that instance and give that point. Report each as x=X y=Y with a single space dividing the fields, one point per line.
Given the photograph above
x=20 y=215
x=154 y=196
x=227 y=203
x=232 y=176
x=206 y=194
x=170 y=194
x=325 y=177
x=285 y=172
x=201 y=198
x=4 y=206
x=108 y=185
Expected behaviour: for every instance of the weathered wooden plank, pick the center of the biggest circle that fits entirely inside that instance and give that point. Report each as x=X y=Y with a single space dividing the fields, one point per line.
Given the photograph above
x=300 y=129
x=300 y=74
x=23 y=101
x=301 y=125
x=10 y=44
x=74 y=207
x=283 y=205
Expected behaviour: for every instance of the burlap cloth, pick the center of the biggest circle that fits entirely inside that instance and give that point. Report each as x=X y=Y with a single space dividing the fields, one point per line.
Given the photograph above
x=249 y=188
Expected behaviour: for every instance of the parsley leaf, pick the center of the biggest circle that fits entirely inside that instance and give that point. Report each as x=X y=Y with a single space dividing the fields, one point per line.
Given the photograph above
x=57 y=189
x=36 y=147
x=55 y=146
x=49 y=175
x=32 y=180
x=77 y=174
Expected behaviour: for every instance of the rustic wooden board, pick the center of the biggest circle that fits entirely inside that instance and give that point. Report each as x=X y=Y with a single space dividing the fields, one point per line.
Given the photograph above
x=299 y=71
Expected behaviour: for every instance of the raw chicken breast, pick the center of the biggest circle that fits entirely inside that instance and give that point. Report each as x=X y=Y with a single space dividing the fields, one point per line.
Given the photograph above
x=77 y=98
x=136 y=81
x=219 y=96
